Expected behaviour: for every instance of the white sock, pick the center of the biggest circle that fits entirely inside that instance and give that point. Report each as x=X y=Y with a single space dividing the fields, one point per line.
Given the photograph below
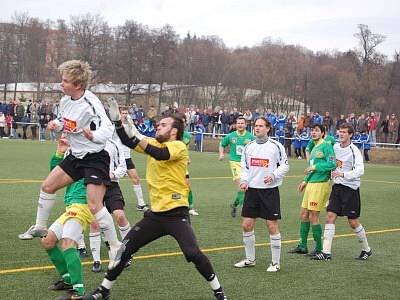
x=123 y=231
x=362 y=238
x=214 y=283
x=107 y=283
x=45 y=204
x=275 y=241
x=95 y=245
x=329 y=232
x=137 y=188
x=106 y=224
x=249 y=240
x=81 y=242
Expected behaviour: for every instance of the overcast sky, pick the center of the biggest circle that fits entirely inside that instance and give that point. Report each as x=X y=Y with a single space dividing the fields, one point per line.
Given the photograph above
x=315 y=24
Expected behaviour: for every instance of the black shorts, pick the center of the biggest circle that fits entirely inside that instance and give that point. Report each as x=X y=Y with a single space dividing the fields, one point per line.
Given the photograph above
x=129 y=164
x=262 y=203
x=113 y=199
x=93 y=167
x=344 y=201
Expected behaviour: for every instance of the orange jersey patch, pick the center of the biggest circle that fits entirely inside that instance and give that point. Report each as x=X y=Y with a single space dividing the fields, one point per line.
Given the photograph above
x=69 y=125
x=259 y=162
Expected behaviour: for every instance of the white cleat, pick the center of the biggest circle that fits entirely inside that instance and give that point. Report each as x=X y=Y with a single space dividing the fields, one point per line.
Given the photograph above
x=193 y=212
x=32 y=232
x=245 y=263
x=274 y=267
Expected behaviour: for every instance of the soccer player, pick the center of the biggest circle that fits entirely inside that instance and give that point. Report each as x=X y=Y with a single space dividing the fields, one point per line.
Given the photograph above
x=113 y=200
x=166 y=167
x=236 y=141
x=132 y=173
x=345 y=195
x=68 y=230
x=86 y=126
x=264 y=164
x=316 y=190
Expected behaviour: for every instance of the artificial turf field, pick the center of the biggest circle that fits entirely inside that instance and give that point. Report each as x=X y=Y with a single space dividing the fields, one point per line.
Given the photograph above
x=159 y=271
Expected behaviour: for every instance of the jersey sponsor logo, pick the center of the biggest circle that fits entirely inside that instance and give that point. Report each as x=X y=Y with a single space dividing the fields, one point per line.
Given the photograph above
x=70 y=214
x=312 y=203
x=69 y=125
x=259 y=162
x=176 y=196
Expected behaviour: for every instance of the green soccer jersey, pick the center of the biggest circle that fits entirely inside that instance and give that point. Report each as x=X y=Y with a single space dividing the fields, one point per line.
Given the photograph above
x=322 y=157
x=330 y=139
x=75 y=192
x=186 y=138
x=236 y=143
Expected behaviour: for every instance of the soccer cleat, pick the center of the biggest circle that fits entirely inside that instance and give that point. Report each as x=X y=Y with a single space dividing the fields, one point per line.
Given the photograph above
x=312 y=253
x=73 y=295
x=220 y=295
x=60 y=285
x=233 y=210
x=142 y=208
x=321 y=256
x=299 y=250
x=128 y=263
x=274 y=267
x=193 y=212
x=364 y=255
x=96 y=268
x=97 y=294
x=32 y=232
x=82 y=253
x=245 y=263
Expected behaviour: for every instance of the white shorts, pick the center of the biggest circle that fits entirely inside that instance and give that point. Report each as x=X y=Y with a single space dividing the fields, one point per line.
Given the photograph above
x=71 y=229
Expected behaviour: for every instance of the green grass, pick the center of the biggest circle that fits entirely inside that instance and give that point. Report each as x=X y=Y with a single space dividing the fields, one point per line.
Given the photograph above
x=171 y=277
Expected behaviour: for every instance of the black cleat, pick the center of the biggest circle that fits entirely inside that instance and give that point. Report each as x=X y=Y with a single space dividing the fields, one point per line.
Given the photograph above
x=96 y=268
x=82 y=253
x=312 y=253
x=298 y=250
x=60 y=285
x=142 y=208
x=364 y=255
x=97 y=294
x=321 y=256
x=233 y=210
x=73 y=295
x=128 y=263
x=220 y=295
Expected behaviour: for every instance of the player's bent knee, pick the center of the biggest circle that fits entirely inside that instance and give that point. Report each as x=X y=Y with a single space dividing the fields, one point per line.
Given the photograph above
x=67 y=243
x=48 y=243
x=194 y=255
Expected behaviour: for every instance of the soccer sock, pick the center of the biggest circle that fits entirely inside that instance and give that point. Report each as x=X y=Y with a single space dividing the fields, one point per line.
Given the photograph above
x=137 y=188
x=81 y=243
x=249 y=240
x=190 y=198
x=240 y=197
x=123 y=230
x=108 y=284
x=45 y=204
x=317 y=235
x=214 y=283
x=304 y=229
x=276 y=241
x=329 y=232
x=362 y=238
x=74 y=266
x=95 y=245
x=57 y=258
x=106 y=223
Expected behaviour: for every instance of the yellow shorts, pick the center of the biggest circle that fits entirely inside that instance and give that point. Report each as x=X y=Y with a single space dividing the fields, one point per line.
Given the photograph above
x=79 y=212
x=235 y=168
x=316 y=195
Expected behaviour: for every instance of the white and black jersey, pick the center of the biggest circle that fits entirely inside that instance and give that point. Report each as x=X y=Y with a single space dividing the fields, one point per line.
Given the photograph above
x=350 y=163
x=86 y=112
x=117 y=159
x=260 y=160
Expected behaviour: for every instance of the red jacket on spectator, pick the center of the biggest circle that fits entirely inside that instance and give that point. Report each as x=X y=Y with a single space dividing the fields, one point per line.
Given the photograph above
x=373 y=123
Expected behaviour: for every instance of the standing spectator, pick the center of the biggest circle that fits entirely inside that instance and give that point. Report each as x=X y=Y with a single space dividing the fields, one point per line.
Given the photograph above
x=206 y=119
x=372 y=126
x=301 y=122
x=316 y=119
x=9 y=122
x=193 y=120
x=328 y=122
x=307 y=122
x=291 y=123
x=305 y=138
x=288 y=142
x=362 y=124
x=355 y=139
x=2 y=124
x=385 y=128
x=34 y=121
x=25 y=124
x=340 y=121
x=42 y=129
x=52 y=133
x=55 y=110
x=297 y=143
x=225 y=122
x=280 y=135
x=152 y=114
x=281 y=121
x=270 y=116
x=248 y=116
x=352 y=120
x=366 y=144
x=198 y=138
x=140 y=114
x=393 y=126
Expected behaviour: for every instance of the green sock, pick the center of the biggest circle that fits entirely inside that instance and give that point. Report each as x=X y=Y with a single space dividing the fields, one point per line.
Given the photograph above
x=240 y=197
x=74 y=266
x=317 y=235
x=304 y=229
x=57 y=258
x=190 y=198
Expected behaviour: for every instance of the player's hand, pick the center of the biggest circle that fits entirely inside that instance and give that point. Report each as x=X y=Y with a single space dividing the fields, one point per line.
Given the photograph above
x=301 y=186
x=221 y=157
x=269 y=179
x=113 y=110
x=87 y=133
x=131 y=130
x=244 y=186
x=336 y=174
x=309 y=170
x=51 y=125
x=62 y=145
x=112 y=175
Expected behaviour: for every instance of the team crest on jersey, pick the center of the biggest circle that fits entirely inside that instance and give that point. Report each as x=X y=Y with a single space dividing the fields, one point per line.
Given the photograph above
x=319 y=154
x=339 y=163
x=259 y=162
x=234 y=140
x=69 y=125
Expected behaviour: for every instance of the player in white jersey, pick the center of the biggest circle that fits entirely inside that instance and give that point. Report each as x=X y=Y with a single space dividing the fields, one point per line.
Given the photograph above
x=263 y=165
x=132 y=173
x=345 y=196
x=84 y=122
